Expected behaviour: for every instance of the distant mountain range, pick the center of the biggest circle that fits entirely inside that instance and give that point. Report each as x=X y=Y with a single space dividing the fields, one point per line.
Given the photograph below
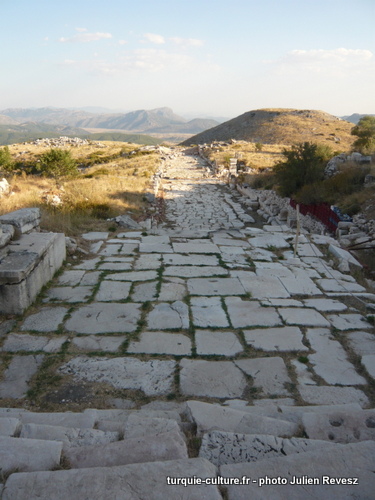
x=159 y=120
x=354 y=118
x=281 y=126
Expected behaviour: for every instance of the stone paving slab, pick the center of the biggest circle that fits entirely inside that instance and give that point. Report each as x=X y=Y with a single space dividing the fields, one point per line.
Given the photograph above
x=352 y=460
x=148 y=261
x=341 y=427
x=208 y=312
x=222 y=448
x=112 y=291
x=302 y=316
x=166 y=316
x=104 y=318
x=140 y=426
x=177 y=259
x=172 y=289
x=215 y=379
x=270 y=374
x=70 y=437
x=24 y=342
x=69 y=294
x=133 y=276
x=195 y=271
x=362 y=343
x=71 y=278
x=209 y=417
x=95 y=235
x=332 y=395
x=349 y=322
x=215 y=286
x=144 y=292
x=16 y=377
x=47 y=319
x=261 y=287
x=152 y=448
x=245 y=313
x=287 y=338
x=97 y=343
x=213 y=342
x=304 y=376
x=161 y=343
x=155 y=248
x=9 y=426
x=115 y=266
x=196 y=246
x=325 y=305
x=330 y=360
x=153 y=377
x=122 y=482
x=368 y=361
x=28 y=454
x=300 y=286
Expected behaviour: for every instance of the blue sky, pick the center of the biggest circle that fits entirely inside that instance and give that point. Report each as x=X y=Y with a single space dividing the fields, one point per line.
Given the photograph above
x=201 y=58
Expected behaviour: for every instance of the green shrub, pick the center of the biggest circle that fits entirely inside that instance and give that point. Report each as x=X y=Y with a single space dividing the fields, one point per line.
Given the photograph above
x=57 y=163
x=6 y=161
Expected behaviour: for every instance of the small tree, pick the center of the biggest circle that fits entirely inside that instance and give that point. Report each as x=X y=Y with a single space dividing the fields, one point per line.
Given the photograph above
x=258 y=147
x=6 y=160
x=365 y=131
x=57 y=163
x=304 y=164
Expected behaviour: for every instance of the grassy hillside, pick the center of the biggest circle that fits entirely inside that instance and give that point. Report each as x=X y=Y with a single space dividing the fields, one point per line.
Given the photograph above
x=281 y=126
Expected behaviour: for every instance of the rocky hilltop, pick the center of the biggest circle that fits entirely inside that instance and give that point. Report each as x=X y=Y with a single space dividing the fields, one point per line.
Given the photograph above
x=281 y=126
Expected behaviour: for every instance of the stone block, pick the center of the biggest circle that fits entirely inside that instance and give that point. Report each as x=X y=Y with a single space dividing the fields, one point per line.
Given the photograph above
x=23 y=220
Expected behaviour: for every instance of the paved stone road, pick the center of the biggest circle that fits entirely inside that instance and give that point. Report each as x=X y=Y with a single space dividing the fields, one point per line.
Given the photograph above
x=208 y=307
x=205 y=305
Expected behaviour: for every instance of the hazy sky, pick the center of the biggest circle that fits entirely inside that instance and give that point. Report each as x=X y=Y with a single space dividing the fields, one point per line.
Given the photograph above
x=199 y=57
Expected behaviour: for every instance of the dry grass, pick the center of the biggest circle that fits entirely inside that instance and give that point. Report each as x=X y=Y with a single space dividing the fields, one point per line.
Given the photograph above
x=98 y=193
x=246 y=152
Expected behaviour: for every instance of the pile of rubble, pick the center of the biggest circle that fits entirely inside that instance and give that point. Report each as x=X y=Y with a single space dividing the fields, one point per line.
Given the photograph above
x=59 y=142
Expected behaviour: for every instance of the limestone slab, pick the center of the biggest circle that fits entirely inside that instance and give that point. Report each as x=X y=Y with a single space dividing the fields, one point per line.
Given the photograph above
x=47 y=319
x=172 y=289
x=112 y=291
x=28 y=454
x=167 y=316
x=16 y=377
x=110 y=250
x=208 y=311
x=140 y=426
x=144 y=291
x=71 y=437
x=268 y=240
x=330 y=395
x=215 y=342
x=69 y=294
x=115 y=266
x=195 y=271
x=349 y=322
x=24 y=342
x=104 y=318
x=300 y=285
x=352 y=460
x=330 y=360
x=71 y=278
x=209 y=417
x=215 y=286
x=325 y=305
x=177 y=259
x=261 y=287
x=152 y=448
x=304 y=376
x=368 y=361
x=222 y=448
x=153 y=377
x=288 y=338
x=269 y=374
x=244 y=313
x=9 y=426
x=95 y=235
x=161 y=343
x=133 y=276
x=155 y=248
x=362 y=343
x=148 y=261
x=196 y=246
x=98 y=343
x=122 y=482
x=218 y=379
x=302 y=316
x=341 y=427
